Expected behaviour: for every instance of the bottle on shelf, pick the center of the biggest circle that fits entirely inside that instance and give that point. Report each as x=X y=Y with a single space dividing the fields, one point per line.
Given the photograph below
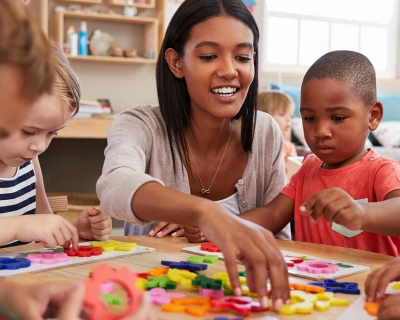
x=83 y=40
x=73 y=45
x=67 y=46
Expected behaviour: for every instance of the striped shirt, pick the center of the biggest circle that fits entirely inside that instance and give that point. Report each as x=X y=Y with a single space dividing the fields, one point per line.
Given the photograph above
x=18 y=195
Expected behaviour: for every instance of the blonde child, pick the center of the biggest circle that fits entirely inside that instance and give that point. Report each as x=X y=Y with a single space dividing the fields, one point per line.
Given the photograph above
x=22 y=192
x=354 y=189
x=25 y=65
x=280 y=106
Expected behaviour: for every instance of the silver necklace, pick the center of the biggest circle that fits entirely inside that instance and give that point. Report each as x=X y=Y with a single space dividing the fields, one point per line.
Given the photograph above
x=197 y=169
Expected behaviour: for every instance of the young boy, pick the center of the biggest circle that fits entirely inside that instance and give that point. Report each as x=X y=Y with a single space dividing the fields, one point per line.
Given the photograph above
x=354 y=189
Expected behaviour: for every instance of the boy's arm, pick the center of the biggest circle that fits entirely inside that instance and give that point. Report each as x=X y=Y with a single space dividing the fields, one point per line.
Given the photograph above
x=42 y=204
x=274 y=216
x=336 y=205
x=383 y=217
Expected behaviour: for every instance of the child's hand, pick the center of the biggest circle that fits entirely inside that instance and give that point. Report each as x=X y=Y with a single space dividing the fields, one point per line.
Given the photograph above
x=193 y=234
x=377 y=281
x=72 y=307
x=34 y=302
x=93 y=224
x=255 y=246
x=335 y=205
x=49 y=229
x=162 y=229
x=389 y=309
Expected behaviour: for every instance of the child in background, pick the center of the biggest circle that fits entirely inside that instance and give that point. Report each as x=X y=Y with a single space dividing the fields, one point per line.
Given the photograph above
x=375 y=287
x=280 y=106
x=21 y=183
x=354 y=189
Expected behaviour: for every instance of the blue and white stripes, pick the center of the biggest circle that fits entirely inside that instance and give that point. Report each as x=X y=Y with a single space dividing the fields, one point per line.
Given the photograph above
x=18 y=194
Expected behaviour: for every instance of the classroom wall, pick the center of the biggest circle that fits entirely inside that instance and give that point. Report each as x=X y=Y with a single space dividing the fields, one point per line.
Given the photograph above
x=71 y=165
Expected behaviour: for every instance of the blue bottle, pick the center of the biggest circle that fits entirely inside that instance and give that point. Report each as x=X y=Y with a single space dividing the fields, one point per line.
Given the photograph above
x=83 y=40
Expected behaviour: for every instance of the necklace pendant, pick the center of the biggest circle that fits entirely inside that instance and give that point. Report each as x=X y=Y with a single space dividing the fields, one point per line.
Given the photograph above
x=205 y=191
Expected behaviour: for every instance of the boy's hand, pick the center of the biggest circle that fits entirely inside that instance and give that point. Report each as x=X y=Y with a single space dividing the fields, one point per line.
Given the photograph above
x=93 y=224
x=255 y=246
x=48 y=229
x=335 y=205
x=377 y=281
x=162 y=229
x=193 y=234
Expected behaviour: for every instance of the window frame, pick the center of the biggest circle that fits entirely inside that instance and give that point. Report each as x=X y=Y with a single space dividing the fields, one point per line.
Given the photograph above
x=393 y=67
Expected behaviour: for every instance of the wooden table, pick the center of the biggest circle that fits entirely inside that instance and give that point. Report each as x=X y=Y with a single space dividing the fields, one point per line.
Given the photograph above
x=170 y=249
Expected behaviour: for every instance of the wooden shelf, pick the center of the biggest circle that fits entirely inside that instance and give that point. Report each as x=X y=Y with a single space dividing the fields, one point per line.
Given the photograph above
x=150 y=34
x=108 y=17
x=86 y=128
x=150 y=4
x=110 y=59
x=83 y=1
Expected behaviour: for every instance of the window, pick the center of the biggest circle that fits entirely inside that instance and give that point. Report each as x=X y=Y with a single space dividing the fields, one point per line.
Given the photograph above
x=298 y=32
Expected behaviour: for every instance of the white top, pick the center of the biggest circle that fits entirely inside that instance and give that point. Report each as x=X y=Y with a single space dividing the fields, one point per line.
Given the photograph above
x=231 y=203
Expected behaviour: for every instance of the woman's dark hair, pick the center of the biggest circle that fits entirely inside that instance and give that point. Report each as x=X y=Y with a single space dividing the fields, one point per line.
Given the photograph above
x=172 y=92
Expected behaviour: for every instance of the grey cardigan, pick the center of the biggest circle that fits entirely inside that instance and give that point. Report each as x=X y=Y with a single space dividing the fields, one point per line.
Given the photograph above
x=138 y=152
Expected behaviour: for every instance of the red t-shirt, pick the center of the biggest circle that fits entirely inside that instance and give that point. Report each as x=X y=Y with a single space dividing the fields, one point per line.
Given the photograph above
x=372 y=178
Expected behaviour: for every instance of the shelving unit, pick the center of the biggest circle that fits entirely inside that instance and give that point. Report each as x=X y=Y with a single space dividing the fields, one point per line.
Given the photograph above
x=83 y=1
x=148 y=4
x=150 y=34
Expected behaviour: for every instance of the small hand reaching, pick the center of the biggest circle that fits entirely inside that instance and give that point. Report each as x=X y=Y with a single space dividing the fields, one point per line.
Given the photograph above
x=93 y=224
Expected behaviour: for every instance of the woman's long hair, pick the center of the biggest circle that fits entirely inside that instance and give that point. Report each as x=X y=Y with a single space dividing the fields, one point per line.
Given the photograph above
x=172 y=92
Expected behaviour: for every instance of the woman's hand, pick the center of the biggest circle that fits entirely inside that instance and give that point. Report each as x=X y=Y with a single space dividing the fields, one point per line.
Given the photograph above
x=162 y=229
x=255 y=246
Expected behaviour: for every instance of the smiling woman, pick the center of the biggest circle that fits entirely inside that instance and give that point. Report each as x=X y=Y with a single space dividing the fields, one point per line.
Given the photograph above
x=204 y=156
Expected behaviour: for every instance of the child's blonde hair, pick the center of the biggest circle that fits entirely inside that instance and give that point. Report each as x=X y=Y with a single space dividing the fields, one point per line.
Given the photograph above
x=272 y=101
x=24 y=45
x=66 y=85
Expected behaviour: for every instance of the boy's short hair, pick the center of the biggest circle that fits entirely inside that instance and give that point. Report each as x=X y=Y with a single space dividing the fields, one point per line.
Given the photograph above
x=24 y=45
x=66 y=85
x=272 y=101
x=350 y=67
